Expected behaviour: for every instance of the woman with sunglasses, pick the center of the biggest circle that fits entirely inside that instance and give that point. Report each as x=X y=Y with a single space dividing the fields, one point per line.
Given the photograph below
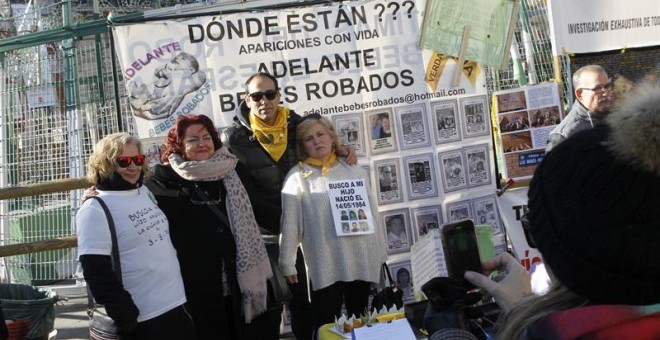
x=223 y=258
x=342 y=267
x=148 y=302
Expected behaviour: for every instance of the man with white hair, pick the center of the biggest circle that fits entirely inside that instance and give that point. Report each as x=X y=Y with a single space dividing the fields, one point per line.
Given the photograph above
x=593 y=98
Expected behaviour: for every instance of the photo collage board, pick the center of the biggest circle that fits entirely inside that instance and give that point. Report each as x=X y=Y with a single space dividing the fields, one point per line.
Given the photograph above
x=525 y=118
x=428 y=164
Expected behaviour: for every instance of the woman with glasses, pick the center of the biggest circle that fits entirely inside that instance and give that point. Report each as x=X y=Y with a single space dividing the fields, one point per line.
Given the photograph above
x=342 y=267
x=148 y=302
x=223 y=258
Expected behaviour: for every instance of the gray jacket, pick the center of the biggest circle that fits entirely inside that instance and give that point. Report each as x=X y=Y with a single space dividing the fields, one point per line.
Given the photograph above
x=578 y=119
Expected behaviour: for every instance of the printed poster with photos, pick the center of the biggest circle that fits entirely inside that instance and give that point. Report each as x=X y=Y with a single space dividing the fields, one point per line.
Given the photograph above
x=351 y=210
x=351 y=133
x=397 y=229
x=525 y=118
x=446 y=124
x=425 y=219
x=402 y=275
x=413 y=127
x=421 y=176
x=381 y=131
x=388 y=188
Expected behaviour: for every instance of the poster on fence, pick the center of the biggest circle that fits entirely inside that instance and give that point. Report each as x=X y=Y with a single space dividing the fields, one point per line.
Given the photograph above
x=365 y=57
x=525 y=117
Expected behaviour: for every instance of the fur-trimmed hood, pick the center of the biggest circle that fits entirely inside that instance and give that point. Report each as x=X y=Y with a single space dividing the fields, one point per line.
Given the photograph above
x=635 y=128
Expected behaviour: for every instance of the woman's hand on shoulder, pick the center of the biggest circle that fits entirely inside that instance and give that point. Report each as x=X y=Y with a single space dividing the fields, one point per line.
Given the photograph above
x=507 y=292
x=292 y=278
x=89 y=192
x=349 y=152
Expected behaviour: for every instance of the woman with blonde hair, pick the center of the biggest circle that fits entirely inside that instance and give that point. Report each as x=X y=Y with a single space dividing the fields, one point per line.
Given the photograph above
x=148 y=302
x=342 y=266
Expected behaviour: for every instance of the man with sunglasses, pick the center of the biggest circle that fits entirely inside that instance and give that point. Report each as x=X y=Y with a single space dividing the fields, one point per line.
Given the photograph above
x=263 y=138
x=593 y=98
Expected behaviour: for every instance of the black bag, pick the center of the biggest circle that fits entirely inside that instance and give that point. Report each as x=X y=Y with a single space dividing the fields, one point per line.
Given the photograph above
x=101 y=326
x=278 y=289
x=388 y=296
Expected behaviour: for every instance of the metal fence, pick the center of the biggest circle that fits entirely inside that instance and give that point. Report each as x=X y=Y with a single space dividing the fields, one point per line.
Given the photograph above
x=58 y=99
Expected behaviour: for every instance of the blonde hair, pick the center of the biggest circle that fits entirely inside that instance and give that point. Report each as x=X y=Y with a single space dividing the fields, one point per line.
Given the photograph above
x=102 y=163
x=514 y=323
x=306 y=124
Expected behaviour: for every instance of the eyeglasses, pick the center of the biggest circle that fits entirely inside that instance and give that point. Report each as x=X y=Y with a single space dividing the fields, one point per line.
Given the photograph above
x=257 y=96
x=599 y=88
x=524 y=220
x=125 y=161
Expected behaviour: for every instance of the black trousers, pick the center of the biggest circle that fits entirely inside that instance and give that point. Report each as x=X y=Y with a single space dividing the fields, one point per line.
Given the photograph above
x=299 y=306
x=175 y=324
x=326 y=302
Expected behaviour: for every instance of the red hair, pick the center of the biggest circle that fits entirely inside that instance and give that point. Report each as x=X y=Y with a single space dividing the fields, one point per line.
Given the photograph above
x=174 y=142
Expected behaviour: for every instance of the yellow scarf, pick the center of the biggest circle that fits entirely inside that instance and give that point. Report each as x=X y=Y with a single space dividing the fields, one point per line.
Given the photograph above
x=272 y=138
x=325 y=165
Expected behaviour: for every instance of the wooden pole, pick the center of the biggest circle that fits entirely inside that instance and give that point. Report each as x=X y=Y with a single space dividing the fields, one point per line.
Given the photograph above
x=44 y=188
x=461 y=56
x=39 y=246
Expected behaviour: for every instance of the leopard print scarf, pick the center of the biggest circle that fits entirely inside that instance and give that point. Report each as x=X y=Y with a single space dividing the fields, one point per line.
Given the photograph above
x=252 y=264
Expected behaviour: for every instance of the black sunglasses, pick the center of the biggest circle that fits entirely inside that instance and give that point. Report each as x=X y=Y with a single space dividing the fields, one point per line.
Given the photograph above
x=257 y=96
x=524 y=220
x=125 y=162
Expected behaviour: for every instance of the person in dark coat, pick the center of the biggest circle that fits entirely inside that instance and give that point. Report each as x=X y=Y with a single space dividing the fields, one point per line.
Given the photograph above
x=263 y=138
x=224 y=267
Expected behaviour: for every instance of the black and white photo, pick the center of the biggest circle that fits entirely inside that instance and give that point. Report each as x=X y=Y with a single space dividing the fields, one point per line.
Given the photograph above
x=425 y=219
x=388 y=188
x=475 y=116
x=349 y=128
x=421 y=176
x=381 y=131
x=452 y=169
x=478 y=165
x=446 y=121
x=459 y=210
x=485 y=212
x=402 y=274
x=412 y=120
x=397 y=228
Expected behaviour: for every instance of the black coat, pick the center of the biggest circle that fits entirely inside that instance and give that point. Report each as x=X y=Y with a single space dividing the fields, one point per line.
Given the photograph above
x=201 y=248
x=265 y=175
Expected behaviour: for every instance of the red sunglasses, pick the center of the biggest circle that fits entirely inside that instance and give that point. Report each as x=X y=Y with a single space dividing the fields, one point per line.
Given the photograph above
x=125 y=162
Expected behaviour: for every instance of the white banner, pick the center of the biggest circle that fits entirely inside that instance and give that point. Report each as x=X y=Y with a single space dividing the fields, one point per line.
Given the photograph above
x=341 y=58
x=587 y=26
x=512 y=205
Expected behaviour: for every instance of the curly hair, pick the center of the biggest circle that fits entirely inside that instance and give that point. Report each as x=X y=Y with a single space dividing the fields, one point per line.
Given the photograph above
x=175 y=143
x=102 y=162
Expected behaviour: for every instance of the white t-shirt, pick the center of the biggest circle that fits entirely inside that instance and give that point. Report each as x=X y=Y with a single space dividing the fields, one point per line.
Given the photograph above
x=150 y=269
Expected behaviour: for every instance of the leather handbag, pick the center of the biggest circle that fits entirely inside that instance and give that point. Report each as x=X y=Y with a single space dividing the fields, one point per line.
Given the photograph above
x=278 y=289
x=101 y=326
x=388 y=296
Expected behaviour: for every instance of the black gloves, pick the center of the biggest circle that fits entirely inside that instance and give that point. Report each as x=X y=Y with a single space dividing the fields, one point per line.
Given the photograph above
x=449 y=305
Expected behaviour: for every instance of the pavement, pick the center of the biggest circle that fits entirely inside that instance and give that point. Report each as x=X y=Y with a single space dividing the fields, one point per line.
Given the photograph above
x=71 y=320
